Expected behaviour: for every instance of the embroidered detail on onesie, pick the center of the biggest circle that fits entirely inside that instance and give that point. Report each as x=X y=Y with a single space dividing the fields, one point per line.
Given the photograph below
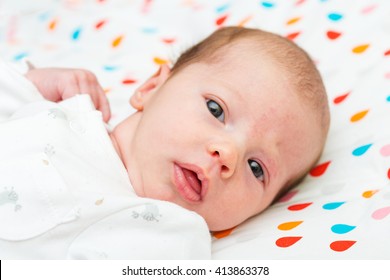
x=57 y=113
x=9 y=196
x=49 y=150
x=150 y=213
x=99 y=202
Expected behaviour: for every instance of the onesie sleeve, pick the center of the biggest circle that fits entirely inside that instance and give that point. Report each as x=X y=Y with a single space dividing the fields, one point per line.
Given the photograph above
x=15 y=90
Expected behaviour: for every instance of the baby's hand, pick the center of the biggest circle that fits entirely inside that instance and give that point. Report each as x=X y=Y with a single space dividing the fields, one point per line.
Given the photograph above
x=56 y=84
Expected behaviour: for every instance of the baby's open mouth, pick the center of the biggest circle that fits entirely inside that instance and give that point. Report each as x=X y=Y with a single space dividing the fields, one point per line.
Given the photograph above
x=189 y=181
x=193 y=180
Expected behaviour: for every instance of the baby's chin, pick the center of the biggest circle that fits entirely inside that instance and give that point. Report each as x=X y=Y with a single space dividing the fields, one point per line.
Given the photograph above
x=221 y=224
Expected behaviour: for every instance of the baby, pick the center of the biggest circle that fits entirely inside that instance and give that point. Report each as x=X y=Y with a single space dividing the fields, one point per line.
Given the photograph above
x=240 y=118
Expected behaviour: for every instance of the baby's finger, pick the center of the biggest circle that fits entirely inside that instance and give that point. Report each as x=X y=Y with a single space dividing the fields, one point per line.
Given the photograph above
x=93 y=89
x=104 y=105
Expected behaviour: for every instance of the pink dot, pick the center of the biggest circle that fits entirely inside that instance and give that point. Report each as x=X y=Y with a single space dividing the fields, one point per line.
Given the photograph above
x=385 y=150
x=381 y=213
x=368 y=9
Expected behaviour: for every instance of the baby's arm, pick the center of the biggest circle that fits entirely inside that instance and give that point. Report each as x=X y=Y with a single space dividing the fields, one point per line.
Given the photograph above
x=56 y=84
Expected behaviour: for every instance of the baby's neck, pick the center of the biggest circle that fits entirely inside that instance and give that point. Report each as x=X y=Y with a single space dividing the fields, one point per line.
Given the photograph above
x=122 y=136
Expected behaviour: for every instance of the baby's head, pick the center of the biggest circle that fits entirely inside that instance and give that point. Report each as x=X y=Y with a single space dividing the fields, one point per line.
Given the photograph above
x=241 y=117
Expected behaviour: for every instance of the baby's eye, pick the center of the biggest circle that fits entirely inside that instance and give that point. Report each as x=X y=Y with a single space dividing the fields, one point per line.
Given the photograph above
x=256 y=169
x=216 y=110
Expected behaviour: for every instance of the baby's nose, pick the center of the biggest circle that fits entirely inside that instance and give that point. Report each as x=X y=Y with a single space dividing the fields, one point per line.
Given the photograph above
x=226 y=155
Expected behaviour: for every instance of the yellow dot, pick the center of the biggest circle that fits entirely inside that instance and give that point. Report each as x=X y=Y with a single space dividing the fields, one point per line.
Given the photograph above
x=243 y=22
x=359 y=116
x=293 y=20
x=289 y=225
x=160 y=61
x=370 y=193
x=117 y=41
x=360 y=49
x=53 y=24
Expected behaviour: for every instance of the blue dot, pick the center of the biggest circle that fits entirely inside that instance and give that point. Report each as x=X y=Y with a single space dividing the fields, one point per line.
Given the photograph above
x=342 y=228
x=44 y=16
x=222 y=8
x=110 y=68
x=149 y=30
x=76 y=33
x=361 y=150
x=20 y=56
x=332 y=205
x=335 y=16
x=267 y=4
x=388 y=99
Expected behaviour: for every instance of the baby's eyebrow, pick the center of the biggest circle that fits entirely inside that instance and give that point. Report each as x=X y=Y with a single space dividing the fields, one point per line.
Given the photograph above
x=228 y=88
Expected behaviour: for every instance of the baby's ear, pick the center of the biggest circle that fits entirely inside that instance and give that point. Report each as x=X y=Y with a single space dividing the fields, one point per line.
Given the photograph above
x=146 y=90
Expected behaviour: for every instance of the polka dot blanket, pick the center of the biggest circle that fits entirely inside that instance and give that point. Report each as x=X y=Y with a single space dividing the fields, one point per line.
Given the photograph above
x=341 y=210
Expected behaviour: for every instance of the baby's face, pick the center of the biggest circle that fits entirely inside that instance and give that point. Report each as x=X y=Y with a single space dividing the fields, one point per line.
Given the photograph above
x=219 y=139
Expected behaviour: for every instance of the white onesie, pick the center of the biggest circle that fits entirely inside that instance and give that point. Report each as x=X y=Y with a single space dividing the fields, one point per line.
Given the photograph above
x=64 y=192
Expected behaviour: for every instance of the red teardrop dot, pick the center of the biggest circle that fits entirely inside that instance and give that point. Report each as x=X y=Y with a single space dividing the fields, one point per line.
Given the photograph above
x=221 y=20
x=168 y=40
x=341 y=245
x=297 y=207
x=287 y=241
x=340 y=98
x=387 y=52
x=292 y=36
x=333 y=35
x=388 y=173
x=128 y=81
x=100 y=24
x=319 y=169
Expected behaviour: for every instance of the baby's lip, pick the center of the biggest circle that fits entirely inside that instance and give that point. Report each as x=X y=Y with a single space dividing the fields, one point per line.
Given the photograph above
x=190 y=181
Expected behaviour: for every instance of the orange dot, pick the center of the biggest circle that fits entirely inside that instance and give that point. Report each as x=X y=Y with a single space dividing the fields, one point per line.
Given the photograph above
x=370 y=193
x=223 y=233
x=53 y=24
x=244 y=21
x=116 y=42
x=360 y=49
x=289 y=225
x=160 y=61
x=359 y=116
x=293 y=20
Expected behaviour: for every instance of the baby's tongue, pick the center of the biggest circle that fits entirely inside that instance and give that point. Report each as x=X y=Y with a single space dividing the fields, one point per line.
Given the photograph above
x=193 y=180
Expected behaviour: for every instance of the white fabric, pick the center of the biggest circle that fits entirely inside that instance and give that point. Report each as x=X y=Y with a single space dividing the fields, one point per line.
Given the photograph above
x=64 y=192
